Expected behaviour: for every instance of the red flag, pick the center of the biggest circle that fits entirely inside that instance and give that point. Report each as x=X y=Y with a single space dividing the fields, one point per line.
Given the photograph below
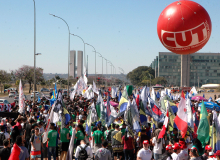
x=165 y=123
x=15 y=152
x=181 y=117
x=137 y=100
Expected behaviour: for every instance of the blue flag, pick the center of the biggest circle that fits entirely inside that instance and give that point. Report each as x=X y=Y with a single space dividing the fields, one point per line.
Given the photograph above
x=158 y=95
x=38 y=100
x=157 y=114
x=119 y=96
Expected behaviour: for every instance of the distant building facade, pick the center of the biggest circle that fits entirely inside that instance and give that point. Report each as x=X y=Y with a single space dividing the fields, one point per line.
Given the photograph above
x=198 y=68
x=76 y=70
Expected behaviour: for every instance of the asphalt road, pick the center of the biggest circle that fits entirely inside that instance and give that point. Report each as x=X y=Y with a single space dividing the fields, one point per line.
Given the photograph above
x=11 y=100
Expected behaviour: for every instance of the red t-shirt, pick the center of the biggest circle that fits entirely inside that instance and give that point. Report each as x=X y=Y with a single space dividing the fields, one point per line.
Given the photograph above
x=127 y=144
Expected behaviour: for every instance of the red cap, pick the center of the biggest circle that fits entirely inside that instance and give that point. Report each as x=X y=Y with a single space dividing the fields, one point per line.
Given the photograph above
x=176 y=146
x=146 y=142
x=193 y=148
x=208 y=147
x=217 y=153
x=169 y=147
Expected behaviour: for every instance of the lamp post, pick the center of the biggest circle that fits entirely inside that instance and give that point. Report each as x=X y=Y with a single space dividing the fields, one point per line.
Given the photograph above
x=106 y=71
x=102 y=65
x=34 y=49
x=123 y=73
x=36 y=54
x=84 y=49
x=68 y=49
x=95 y=58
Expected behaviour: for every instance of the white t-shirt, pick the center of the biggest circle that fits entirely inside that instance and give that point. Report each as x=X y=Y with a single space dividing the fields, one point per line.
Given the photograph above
x=158 y=146
x=145 y=154
x=174 y=156
x=183 y=155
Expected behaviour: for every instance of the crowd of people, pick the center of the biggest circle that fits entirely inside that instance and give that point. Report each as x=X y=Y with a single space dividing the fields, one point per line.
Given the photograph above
x=106 y=142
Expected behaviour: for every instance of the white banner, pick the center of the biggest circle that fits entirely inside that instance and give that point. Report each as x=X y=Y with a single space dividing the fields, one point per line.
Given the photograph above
x=21 y=99
x=48 y=125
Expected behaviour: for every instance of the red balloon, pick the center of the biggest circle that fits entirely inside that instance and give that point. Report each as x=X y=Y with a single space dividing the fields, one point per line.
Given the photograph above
x=184 y=27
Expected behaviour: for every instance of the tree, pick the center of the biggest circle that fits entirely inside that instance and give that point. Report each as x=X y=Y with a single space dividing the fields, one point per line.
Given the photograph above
x=159 y=80
x=26 y=73
x=139 y=74
x=4 y=78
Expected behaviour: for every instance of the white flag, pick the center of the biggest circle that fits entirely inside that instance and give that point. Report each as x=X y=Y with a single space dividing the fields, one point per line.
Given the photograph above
x=114 y=91
x=89 y=94
x=153 y=96
x=95 y=89
x=71 y=146
x=21 y=98
x=189 y=114
x=48 y=125
x=84 y=76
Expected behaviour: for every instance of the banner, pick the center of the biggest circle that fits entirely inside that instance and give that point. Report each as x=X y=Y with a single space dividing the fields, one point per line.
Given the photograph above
x=21 y=99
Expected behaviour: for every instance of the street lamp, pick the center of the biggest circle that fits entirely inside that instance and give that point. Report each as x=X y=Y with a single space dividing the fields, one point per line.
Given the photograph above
x=84 y=49
x=95 y=58
x=106 y=72
x=34 y=46
x=36 y=54
x=68 y=49
x=102 y=65
x=123 y=73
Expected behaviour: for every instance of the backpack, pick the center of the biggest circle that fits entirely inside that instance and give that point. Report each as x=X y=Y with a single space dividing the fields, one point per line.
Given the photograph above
x=2 y=138
x=83 y=153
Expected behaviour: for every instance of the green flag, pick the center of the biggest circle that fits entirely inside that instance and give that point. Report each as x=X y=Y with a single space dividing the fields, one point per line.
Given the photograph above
x=129 y=89
x=98 y=110
x=203 y=129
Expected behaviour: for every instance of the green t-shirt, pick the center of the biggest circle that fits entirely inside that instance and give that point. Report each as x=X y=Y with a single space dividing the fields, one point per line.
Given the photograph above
x=63 y=135
x=73 y=116
x=106 y=134
x=80 y=135
x=98 y=136
x=123 y=131
x=52 y=135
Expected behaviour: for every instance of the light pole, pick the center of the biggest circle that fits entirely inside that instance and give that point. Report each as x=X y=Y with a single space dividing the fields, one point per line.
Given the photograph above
x=106 y=71
x=68 y=50
x=123 y=73
x=36 y=54
x=102 y=66
x=95 y=58
x=34 y=49
x=84 y=49
x=111 y=67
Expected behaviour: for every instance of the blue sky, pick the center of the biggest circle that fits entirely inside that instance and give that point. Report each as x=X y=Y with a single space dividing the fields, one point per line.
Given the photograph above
x=123 y=31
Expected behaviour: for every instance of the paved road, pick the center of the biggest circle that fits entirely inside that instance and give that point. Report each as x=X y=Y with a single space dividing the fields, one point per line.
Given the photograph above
x=11 y=100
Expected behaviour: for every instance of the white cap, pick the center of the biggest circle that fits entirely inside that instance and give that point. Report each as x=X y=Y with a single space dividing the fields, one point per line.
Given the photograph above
x=211 y=153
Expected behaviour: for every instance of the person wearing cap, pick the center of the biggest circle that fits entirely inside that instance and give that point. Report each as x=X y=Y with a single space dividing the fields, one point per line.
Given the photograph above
x=194 y=155
x=217 y=154
x=169 y=151
x=183 y=155
x=208 y=149
x=145 y=153
x=176 y=148
x=211 y=156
